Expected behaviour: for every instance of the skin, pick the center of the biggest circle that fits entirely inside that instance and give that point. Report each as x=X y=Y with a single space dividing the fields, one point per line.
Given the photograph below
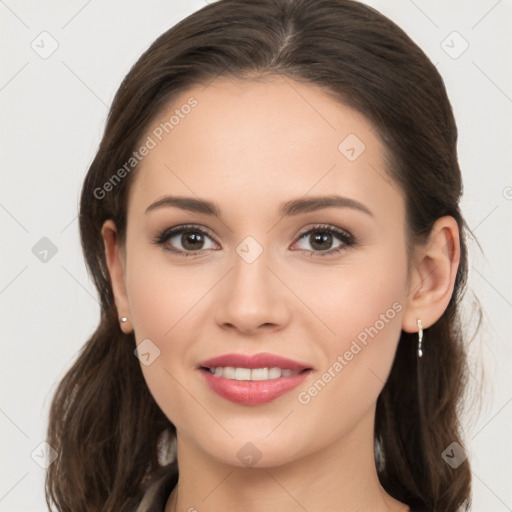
x=250 y=146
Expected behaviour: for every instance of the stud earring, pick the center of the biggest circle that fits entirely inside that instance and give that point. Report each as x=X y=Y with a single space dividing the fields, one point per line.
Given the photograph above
x=123 y=320
x=420 y=338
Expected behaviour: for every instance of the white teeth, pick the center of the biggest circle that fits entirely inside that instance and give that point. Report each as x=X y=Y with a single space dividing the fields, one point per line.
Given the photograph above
x=259 y=374
x=229 y=372
x=242 y=374
x=274 y=373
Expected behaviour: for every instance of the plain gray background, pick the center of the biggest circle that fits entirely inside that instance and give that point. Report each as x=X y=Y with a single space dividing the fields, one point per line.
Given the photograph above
x=53 y=109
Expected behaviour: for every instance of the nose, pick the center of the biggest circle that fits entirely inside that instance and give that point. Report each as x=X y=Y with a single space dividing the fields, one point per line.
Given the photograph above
x=252 y=299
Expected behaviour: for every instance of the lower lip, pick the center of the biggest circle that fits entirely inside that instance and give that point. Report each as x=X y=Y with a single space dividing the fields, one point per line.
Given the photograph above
x=253 y=392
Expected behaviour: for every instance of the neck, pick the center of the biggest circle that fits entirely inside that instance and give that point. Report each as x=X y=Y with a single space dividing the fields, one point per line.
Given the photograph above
x=341 y=477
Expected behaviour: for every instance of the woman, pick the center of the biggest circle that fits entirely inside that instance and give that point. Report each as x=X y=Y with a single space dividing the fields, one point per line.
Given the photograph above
x=272 y=223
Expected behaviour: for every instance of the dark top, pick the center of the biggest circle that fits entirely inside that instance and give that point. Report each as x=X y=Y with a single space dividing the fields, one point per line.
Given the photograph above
x=156 y=496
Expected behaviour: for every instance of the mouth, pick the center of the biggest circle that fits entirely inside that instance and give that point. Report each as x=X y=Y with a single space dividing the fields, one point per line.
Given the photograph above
x=252 y=380
x=240 y=373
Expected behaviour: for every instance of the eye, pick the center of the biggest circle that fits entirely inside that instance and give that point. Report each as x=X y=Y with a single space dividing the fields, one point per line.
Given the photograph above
x=325 y=240
x=191 y=240
x=187 y=240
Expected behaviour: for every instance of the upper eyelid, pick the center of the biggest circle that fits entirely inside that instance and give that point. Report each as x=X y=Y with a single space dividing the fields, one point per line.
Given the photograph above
x=183 y=227
x=327 y=227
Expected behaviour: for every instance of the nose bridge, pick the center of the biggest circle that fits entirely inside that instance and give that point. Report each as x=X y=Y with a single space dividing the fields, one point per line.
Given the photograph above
x=250 y=267
x=253 y=296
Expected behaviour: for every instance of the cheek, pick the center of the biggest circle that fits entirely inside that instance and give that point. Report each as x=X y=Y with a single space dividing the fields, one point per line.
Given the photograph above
x=363 y=306
x=164 y=303
x=357 y=300
x=159 y=295
x=360 y=308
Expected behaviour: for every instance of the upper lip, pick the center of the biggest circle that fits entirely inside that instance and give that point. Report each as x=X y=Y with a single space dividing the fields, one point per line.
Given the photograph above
x=262 y=360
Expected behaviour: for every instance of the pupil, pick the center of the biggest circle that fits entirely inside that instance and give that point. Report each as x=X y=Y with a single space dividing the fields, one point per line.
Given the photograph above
x=321 y=240
x=191 y=240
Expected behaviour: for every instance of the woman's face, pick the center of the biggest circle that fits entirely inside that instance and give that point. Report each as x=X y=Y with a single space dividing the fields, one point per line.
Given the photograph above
x=275 y=272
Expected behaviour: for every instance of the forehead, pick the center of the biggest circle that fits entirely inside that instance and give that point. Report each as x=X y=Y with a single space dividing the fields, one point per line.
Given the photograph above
x=253 y=141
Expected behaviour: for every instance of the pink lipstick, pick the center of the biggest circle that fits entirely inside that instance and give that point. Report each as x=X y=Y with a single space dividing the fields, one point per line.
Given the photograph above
x=252 y=379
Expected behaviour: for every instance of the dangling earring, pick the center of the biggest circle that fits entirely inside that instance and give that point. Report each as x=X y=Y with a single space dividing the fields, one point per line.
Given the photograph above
x=420 y=338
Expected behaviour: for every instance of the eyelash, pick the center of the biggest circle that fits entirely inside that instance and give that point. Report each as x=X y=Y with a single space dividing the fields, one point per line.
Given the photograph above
x=344 y=236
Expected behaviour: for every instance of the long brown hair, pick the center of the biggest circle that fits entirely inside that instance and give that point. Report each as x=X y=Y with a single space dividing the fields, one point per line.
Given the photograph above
x=103 y=421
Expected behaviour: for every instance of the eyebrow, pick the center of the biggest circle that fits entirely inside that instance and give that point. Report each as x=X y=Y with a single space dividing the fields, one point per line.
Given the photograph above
x=287 y=209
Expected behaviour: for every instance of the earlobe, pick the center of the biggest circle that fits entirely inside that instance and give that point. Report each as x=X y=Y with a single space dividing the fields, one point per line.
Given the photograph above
x=115 y=263
x=433 y=278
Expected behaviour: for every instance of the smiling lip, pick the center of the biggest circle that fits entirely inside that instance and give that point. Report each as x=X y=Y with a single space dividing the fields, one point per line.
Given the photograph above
x=252 y=392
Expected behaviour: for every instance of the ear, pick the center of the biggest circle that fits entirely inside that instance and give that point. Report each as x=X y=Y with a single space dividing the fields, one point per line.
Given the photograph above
x=115 y=257
x=433 y=276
